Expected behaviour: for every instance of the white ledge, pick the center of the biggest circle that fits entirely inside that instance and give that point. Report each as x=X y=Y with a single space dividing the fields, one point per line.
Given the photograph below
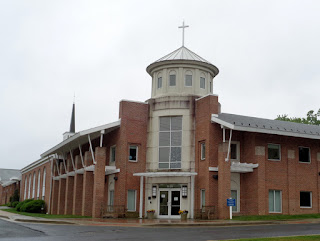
x=165 y=174
x=238 y=167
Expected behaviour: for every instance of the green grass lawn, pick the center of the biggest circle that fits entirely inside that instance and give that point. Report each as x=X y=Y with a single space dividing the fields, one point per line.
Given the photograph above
x=42 y=215
x=275 y=217
x=312 y=237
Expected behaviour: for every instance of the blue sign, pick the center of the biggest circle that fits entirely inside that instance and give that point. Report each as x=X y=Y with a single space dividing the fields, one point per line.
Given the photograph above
x=231 y=202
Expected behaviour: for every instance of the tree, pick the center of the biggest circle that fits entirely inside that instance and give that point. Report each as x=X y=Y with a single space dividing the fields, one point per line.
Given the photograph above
x=313 y=118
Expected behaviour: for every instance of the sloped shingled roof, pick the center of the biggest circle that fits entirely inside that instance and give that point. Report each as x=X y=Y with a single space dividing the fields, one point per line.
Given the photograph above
x=254 y=124
x=6 y=174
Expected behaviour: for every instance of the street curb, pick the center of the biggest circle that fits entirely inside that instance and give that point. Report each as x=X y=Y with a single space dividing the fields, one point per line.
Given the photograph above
x=1 y=216
x=42 y=221
x=208 y=224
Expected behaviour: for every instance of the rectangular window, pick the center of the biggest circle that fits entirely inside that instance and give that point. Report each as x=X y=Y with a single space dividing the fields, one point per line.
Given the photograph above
x=170 y=139
x=234 y=151
x=275 y=202
x=304 y=154
x=133 y=153
x=113 y=154
x=131 y=205
x=203 y=150
x=274 y=152
x=111 y=197
x=234 y=195
x=159 y=82
x=203 y=199
x=188 y=80
x=305 y=199
x=210 y=87
x=172 y=80
x=202 y=83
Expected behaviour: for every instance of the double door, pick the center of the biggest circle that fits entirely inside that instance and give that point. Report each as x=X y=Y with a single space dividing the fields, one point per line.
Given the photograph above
x=170 y=200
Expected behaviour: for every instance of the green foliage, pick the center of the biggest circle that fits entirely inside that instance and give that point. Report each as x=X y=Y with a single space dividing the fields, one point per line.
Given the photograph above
x=34 y=206
x=313 y=118
x=20 y=204
x=15 y=197
x=14 y=204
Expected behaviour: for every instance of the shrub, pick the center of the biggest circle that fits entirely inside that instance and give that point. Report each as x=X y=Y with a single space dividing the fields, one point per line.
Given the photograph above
x=34 y=206
x=14 y=204
x=20 y=204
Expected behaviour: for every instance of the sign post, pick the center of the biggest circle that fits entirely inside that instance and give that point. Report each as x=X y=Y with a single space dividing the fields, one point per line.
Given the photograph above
x=231 y=203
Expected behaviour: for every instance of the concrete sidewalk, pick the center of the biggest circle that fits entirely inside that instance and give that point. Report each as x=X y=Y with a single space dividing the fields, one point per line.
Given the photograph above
x=122 y=222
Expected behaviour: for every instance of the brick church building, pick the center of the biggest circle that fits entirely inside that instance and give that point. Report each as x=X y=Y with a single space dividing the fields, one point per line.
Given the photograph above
x=178 y=151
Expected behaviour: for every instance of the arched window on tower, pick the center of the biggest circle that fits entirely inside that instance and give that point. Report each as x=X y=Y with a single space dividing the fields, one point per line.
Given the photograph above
x=159 y=83
x=44 y=184
x=38 y=190
x=34 y=184
x=188 y=78
x=172 y=78
x=202 y=81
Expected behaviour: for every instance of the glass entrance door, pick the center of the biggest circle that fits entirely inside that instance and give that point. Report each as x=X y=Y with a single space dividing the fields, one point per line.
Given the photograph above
x=169 y=204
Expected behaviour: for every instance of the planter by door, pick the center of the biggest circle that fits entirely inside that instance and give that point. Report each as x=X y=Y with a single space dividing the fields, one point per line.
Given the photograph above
x=184 y=216
x=150 y=215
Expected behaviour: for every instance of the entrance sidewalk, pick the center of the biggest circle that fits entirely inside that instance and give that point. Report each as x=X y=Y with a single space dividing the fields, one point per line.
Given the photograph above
x=123 y=222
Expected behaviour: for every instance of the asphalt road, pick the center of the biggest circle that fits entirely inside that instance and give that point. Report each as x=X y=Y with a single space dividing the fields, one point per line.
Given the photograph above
x=25 y=231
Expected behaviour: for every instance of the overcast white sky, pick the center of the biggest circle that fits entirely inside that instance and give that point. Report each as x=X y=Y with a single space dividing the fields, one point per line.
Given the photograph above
x=267 y=53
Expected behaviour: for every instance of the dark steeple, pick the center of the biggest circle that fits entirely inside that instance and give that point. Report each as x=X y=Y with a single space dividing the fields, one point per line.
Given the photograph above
x=72 y=123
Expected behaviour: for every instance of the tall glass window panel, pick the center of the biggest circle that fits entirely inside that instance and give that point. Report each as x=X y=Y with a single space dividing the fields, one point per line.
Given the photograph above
x=29 y=192
x=203 y=150
x=273 y=152
x=159 y=82
x=111 y=197
x=234 y=195
x=202 y=83
x=38 y=188
x=34 y=185
x=170 y=139
x=44 y=184
x=25 y=188
x=275 y=201
x=172 y=80
x=131 y=205
x=188 y=80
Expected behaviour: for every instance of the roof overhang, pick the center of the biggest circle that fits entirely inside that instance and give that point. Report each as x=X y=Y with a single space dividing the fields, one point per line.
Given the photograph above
x=165 y=174
x=36 y=164
x=228 y=125
x=81 y=138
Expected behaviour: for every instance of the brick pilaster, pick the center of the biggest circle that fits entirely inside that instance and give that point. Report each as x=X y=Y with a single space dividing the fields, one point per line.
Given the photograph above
x=55 y=193
x=87 y=195
x=292 y=181
x=61 y=195
x=77 y=190
x=99 y=181
x=224 y=182
x=260 y=153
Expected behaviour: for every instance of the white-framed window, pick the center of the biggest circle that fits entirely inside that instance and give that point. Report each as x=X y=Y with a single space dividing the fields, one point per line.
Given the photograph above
x=38 y=188
x=203 y=150
x=275 y=201
x=111 y=198
x=172 y=78
x=29 y=192
x=304 y=154
x=131 y=200
x=25 y=188
x=34 y=185
x=133 y=153
x=203 y=199
x=234 y=195
x=170 y=141
x=235 y=150
x=188 y=79
x=159 y=82
x=112 y=153
x=274 y=152
x=44 y=183
x=202 y=82
x=305 y=199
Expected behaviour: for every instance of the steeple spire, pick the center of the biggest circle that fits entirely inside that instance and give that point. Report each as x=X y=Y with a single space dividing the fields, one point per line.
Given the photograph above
x=72 y=123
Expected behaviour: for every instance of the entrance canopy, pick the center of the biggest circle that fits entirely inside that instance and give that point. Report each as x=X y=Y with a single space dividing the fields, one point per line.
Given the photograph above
x=165 y=174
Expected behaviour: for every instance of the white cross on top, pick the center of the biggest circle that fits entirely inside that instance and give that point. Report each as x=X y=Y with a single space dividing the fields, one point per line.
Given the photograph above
x=183 y=27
